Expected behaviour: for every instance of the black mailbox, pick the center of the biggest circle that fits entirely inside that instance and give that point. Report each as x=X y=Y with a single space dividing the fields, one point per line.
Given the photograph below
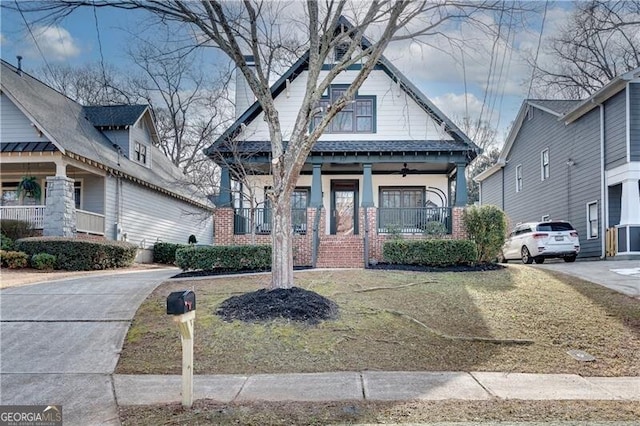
x=181 y=302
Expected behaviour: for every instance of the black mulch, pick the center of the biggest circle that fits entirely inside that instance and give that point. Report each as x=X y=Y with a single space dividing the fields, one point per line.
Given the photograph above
x=293 y=303
x=223 y=271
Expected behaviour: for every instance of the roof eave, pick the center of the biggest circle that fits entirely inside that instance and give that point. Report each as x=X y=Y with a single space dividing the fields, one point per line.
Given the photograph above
x=489 y=172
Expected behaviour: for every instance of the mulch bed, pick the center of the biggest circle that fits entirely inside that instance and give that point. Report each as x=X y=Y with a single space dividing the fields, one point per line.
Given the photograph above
x=294 y=304
x=223 y=271
x=454 y=268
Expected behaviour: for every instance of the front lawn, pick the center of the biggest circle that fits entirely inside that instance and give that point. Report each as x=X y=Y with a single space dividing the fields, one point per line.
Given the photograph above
x=519 y=319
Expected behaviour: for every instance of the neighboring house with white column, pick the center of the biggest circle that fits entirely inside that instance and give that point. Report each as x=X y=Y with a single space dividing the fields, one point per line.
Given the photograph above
x=578 y=161
x=387 y=164
x=98 y=169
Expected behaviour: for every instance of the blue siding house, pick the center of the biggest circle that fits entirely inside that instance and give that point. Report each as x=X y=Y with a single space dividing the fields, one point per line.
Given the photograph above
x=577 y=161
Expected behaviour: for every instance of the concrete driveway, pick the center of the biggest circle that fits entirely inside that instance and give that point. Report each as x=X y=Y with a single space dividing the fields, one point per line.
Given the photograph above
x=620 y=275
x=60 y=341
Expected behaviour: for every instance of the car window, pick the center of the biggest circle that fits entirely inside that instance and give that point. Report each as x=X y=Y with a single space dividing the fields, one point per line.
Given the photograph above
x=555 y=226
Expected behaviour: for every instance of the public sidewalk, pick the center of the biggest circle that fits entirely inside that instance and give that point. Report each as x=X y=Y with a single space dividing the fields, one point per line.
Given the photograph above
x=376 y=386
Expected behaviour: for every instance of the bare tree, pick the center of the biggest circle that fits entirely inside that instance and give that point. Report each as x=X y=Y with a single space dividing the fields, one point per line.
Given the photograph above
x=600 y=42
x=91 y=84
x=251 y=27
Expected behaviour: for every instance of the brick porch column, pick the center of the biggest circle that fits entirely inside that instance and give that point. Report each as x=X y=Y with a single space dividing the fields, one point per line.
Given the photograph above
x=60 y=213
x=223 y=222
x=457 y=226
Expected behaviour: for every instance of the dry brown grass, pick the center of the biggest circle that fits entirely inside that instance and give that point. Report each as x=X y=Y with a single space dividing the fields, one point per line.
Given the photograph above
x=288 y=413
x=555 y=312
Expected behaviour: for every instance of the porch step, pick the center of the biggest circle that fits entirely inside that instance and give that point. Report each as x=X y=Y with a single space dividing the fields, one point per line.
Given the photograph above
x=341 y=251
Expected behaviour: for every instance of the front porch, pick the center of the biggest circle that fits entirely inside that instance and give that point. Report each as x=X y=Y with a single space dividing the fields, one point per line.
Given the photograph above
x=86 y=222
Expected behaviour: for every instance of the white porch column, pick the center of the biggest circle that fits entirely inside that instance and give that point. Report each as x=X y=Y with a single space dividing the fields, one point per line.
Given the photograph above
x=60 y=214
x=61 y=168
x=630 y=205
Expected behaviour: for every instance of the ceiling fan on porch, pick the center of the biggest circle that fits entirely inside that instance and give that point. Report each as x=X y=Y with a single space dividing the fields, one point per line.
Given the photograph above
x=404 y=171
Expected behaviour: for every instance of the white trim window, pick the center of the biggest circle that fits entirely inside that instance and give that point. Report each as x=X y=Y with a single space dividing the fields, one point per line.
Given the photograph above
x=140 y=153
x=519 y=178
x=544 y=164
x=592 y=220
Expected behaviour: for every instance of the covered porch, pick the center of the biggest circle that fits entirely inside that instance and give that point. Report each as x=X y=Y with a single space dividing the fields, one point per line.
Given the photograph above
x=71 y=199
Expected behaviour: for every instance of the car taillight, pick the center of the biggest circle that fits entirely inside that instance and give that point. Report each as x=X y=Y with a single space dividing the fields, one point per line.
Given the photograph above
x=574 y=234
x=539 y=235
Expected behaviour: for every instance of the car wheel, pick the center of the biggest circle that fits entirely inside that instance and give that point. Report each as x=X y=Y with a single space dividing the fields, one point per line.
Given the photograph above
x=539 y=260
x=570 y=259
x=526 y=256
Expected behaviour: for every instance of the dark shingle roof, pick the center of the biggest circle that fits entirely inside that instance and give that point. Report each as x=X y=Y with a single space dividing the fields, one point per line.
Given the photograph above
x=27 y=147
x=256 y=147
x=560 y=107
x=114 y=115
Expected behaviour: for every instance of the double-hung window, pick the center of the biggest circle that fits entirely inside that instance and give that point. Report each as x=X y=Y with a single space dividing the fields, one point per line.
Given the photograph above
x=357 y=116
x=519 y=178
x=592 y=220
x=544 y=164
x=140 y=153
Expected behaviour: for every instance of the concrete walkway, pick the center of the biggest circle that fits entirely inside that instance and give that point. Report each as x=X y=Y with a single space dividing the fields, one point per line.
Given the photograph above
x=377 y=386
x=620 y=275
x=60 y=342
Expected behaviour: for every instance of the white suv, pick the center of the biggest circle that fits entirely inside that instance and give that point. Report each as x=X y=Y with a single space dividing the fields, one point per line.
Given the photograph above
x=537 y=241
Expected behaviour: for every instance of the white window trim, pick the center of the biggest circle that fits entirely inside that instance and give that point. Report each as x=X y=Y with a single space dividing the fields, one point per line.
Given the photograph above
x=542 y=176
x=518 y=177
x=589 y=236
x=147 y=162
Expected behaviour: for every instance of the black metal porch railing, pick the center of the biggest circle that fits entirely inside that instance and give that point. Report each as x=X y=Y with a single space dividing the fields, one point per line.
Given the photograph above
x=414 y=220
x=259 y=219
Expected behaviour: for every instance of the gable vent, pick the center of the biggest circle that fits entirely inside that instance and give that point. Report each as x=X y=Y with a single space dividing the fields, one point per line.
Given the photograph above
x=340 y=50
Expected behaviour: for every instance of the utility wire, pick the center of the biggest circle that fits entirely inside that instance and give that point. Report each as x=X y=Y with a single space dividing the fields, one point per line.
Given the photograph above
x=535 y=61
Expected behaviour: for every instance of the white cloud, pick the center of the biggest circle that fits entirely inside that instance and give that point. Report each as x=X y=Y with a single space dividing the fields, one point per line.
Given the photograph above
x=55 y=43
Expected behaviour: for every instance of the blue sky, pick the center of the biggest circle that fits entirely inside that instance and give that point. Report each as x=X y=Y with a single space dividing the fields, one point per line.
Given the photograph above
x=494 y=90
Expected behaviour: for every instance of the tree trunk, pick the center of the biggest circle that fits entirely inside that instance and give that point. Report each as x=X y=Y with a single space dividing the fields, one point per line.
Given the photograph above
x=281 y=243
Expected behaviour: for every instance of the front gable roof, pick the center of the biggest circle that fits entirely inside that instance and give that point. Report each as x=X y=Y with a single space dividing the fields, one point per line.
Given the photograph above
x=66 y=125
x=114 y=115
x=302 y=64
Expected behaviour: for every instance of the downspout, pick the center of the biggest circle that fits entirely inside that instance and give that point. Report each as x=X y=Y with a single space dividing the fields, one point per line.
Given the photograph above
x=366 y=237
x=604 y=209
x=315 y=239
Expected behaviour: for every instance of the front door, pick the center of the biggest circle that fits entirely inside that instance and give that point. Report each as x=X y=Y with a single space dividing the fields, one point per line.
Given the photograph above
x=344 y=207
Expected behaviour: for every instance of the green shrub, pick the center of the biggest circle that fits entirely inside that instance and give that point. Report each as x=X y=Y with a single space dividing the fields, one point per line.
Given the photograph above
x=43 y=261
x=430 y=252
x=81 y=255
x=224 y=257
x=487 y=227
x=6 y=243
x=16 y=229
x=434 y=229
x=166 y=252
x=14 y=259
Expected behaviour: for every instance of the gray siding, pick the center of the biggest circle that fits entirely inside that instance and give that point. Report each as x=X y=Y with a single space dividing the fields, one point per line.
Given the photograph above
x=634 y=101
x=110 y=207
x=491 y=190
x=93 y=194
x=120 y=138
x=565 y=194
x=16 y=127
x=615 y=130
x=148 y=216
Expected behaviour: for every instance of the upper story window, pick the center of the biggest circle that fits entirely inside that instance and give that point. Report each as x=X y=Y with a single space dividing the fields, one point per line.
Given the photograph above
x=358 y=116
x=340 y=50
x=519 y=178
x=544 y=164
x=140 y=153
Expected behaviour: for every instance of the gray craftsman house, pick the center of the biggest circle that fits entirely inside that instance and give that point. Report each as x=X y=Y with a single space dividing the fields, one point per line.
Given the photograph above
x=99 y=172
x=577 y=161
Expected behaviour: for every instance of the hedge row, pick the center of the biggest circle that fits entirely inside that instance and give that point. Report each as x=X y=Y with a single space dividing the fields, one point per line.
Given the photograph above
x=166 y=252
x=430 y=252
x=234 y=258
x=81 y=255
